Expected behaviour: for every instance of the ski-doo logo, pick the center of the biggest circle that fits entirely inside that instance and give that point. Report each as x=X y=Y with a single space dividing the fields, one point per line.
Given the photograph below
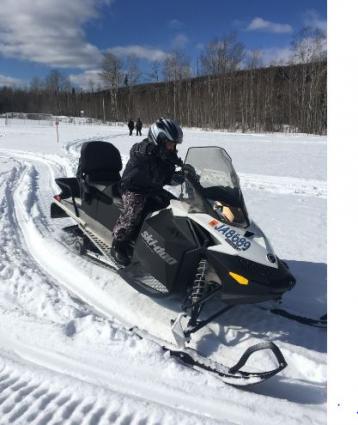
x=153 y=245
x=231 y=236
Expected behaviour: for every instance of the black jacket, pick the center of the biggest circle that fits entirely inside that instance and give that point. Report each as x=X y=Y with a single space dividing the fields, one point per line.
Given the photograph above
x=147 y=171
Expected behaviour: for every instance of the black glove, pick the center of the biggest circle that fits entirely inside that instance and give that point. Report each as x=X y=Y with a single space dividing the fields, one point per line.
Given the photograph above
x=190 y=172
x=178 y=178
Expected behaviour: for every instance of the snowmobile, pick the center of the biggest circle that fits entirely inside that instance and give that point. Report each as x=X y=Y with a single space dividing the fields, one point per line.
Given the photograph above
x=202 y=245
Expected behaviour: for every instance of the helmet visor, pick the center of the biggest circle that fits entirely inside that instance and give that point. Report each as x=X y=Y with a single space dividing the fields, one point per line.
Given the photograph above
x=170 y=146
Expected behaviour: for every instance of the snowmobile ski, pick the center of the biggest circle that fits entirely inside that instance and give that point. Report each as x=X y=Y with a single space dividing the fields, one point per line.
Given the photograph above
x=317 y=323
x=233 y=375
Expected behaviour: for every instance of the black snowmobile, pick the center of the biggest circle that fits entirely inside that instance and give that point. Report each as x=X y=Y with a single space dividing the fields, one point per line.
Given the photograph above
x=202 y=245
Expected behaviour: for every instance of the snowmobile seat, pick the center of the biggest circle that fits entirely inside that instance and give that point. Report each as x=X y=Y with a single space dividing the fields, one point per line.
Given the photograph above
x=98 y=171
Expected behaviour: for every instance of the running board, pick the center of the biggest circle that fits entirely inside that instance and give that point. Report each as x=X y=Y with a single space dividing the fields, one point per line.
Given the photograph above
x=101 y=259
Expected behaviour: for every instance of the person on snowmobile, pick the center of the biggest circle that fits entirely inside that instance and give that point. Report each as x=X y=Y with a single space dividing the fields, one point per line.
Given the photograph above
x=151 y=166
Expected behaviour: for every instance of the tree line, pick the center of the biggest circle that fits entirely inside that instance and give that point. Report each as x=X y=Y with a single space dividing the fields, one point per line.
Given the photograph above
x=223 y=96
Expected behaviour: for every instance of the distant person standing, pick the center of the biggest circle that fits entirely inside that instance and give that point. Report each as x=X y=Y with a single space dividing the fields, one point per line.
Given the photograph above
x=138 y=127
x=131 y=126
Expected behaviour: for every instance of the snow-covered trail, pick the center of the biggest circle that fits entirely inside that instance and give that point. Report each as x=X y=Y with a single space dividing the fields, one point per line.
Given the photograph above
x=34 y=227
x=151 y=389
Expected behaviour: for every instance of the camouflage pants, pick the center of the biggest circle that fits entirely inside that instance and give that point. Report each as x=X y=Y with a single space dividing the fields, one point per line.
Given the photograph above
x=131 y=214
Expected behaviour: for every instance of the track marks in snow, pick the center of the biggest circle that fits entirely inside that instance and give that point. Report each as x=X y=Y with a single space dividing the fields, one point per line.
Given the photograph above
x=27 y=287
x=42 y=399
x=284 y=185
x=25 y=400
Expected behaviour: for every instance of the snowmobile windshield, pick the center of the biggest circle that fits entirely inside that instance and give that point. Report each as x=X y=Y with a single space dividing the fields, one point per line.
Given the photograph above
x=214 y=188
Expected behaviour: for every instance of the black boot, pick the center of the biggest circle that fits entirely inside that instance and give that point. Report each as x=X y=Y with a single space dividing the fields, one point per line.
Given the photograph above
x=119 y=253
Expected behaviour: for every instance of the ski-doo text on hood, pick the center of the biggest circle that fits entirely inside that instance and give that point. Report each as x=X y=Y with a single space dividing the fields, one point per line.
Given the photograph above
x=159 y=250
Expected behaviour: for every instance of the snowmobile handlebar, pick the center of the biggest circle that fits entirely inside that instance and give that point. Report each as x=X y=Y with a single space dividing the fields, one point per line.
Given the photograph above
x=189 y=171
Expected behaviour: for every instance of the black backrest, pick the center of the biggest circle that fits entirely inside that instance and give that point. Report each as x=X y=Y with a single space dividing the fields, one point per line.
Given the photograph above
x=99 y=161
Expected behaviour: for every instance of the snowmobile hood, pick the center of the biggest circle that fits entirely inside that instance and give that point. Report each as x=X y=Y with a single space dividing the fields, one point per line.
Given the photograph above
x=249 y=243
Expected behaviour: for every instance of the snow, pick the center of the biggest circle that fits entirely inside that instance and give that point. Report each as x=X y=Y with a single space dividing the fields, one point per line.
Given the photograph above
x=63 y=363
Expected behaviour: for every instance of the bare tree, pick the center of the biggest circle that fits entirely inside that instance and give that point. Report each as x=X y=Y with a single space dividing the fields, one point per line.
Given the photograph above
x=254 y=59
x=55 y=84
x=66 y=85
x=309 y=45
x=290 y=98
x=90 y=85
x=54 y=81
x=134 y=73
x=36 y=85
x=111 y=75
x=176 y=66
x=222 y=55
x=153 y=75
x=111 y=72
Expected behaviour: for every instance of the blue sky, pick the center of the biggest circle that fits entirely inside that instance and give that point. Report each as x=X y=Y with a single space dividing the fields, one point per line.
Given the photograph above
x=72 y=35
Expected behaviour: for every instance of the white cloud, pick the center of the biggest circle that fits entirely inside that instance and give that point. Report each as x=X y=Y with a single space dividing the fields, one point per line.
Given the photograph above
x=49 y=31
x=276 y=55
x=180 y=41
x=87 y=80
x=140 y=52
x=175 y=24
x=9 y=81
x=259 y=24
x=313 y=19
